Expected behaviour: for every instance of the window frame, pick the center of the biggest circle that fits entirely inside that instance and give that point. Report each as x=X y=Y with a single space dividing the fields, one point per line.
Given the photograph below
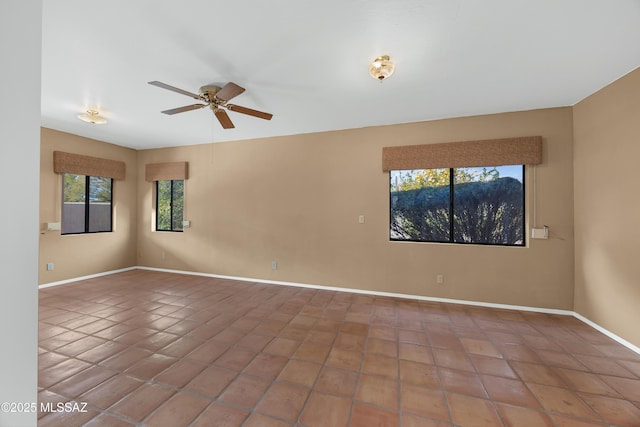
x=87 y=205
x=451 y=213
x=171 y=205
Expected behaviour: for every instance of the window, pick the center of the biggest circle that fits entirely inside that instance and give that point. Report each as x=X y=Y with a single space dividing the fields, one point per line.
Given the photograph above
x=86 y=206
x=458 y=205
x=169 y=205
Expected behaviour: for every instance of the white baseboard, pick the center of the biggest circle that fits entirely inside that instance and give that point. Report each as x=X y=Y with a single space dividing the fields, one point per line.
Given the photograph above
x=91 y=276
x=610 y=334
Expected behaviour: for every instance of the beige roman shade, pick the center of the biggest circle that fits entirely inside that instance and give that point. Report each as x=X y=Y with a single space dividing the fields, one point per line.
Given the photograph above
x=166 y=171
x=489 y=152
x=87 y=165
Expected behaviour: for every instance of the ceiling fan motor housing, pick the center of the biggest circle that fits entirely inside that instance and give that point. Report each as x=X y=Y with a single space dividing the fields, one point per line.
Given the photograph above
x=209 y=92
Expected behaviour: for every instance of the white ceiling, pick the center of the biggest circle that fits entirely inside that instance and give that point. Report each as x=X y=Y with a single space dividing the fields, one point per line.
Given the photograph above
x=306 y=62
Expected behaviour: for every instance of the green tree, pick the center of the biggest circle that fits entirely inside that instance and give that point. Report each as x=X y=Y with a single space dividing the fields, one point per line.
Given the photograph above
x=74 y=188
x=487 y=208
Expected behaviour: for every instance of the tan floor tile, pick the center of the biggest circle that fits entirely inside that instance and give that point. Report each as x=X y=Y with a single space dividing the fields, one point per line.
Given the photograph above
x=415 y=352
x=142 y=401
x=135 y=335
x=452 y=359
x=587 y=382
x=254 y=342
x=467 y=410
x=538 y=374
x=351 y=342
x=245 y=391
x=208 y=352
x=283 y=401
x=211 y=381
x=60 y=340
x=517 y=416
x=312 y=351
x=561 y=400
x=419 y=373
x=48 y=401
x=180 y=373
x=518 y=352
x=48 y=359
x=235 y=358
x=412 y=337
x=365 y=416
x=151 y=366
x=446 y=341
x=565 y=421
x=508 y=390
x=56 y=373
x=82 y=381
x=323 y=410
x=156 y=341
x=102 y=352
x=614 y=411
x=344 y=358
x=180 y=410
x=125 y=359
x=282 y=356
x=377 y=391
x=266 y=365
x=376 y=364
x=410 y=420
x=282 y=347
x=111 y=391
x=461 y=382
x=180 y=347
x=422 y=401
x=627 y=388
x=492 y=366
x=560 y=360
x=383 y=332
x=67 y=419
x=480 y=347
x=300 y=372
x=383 y=347
x=337 y=381
x=260 y=420
x=222 y=415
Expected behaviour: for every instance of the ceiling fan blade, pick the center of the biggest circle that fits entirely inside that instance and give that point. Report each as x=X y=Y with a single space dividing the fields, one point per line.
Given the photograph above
x=230 y=90
x=223 y=118
x=183 y=109
x=175 y=89
x=249 y=111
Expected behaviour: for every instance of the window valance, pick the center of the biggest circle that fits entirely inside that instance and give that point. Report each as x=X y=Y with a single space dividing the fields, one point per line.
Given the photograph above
x=86 y=165
x=489 y=152
x=166 y=171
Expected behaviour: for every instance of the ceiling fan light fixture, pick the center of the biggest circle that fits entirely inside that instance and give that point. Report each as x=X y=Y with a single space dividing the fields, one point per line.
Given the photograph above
x=93 y=117
x=381 y=68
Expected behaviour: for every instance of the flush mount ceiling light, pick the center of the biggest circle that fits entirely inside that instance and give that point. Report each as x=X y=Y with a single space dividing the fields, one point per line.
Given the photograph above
x=93 y=117
x=381 y=67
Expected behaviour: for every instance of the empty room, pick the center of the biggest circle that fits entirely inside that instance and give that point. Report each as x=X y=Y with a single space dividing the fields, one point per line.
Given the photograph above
x=356 y=213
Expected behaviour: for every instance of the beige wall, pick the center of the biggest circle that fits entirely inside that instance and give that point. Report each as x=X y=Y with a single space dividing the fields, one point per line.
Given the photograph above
x=607 y=207
x=296 y=200
x=84 y=254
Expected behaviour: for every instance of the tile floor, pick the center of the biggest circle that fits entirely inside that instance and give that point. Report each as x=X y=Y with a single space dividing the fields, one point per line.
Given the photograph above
x=146 y=348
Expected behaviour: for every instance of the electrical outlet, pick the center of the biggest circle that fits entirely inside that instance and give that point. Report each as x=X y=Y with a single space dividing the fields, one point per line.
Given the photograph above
x=274 y=265
x=49 y=266
x=540 y=233
x=440 y=279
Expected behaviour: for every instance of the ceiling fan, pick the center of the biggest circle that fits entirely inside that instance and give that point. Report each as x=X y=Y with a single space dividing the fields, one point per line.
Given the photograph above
x=216 y=98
